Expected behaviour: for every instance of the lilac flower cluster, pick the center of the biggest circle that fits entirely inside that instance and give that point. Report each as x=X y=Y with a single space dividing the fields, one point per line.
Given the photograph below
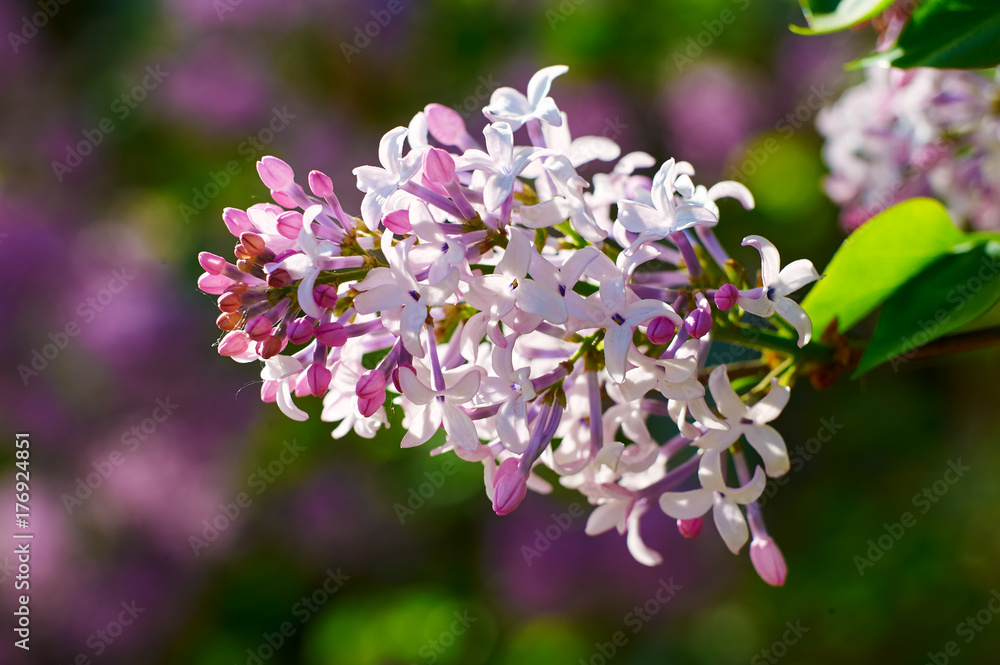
x=537 y=318
x=918 y=132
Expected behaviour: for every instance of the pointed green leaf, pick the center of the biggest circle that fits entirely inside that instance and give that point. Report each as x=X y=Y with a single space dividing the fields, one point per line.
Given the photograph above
x=825 y=16
x=878 y=258
x=953 y=291
x=950 y=34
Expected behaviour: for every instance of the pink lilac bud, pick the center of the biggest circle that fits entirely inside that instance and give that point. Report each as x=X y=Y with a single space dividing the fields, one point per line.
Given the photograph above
x=253 y=243
x=282 y=199
x=289 y=224
x=213 y=284
x=325 y=296
x=229 y=320
x=690 y=528
x=331 y=334
x=279 y=278
x=319 y=378
x=237 y=221
x=439 y=167
x=271 y=346
x=445 y=124
x=398 y=221
x=234 y=343
x=698 y=323
x=212 y=263
x=229 y=302
x=661 y=330
x=275 y=173
x=509 y=487
x=768 y=561
x=726 y=297
x=371 y=392
x=320 y=184
x=259 y=327
x=300 y=331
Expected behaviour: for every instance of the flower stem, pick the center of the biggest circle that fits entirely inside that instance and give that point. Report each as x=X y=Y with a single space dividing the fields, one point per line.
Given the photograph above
x=756 y=338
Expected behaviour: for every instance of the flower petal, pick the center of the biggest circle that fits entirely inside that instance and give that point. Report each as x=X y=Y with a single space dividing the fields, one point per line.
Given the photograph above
x=771 y=405
x=726 y=399
x=413 y=389
x=731 y=524
x=686 y=505
x=771 y=447
x=460 y=427
x=794 y=276
x=639 y=550
x=534 y=298
x=770 y=260
x=792 y=312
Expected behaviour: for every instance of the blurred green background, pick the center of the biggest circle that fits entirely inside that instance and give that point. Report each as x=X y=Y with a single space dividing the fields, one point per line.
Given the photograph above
x=128 y=126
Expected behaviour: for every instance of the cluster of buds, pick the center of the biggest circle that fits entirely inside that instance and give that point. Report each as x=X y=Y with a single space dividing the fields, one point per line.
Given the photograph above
x=538 y=319
x=919 y=132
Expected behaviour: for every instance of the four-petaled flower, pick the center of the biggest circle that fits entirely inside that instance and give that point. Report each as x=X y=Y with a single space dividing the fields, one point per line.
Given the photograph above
x=748 y=421
x=778 y=283
x=440 y=408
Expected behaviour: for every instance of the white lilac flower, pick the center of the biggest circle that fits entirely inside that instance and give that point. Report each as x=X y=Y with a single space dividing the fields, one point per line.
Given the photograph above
x=379 y=184
x=509 y=285
x=919 y=132
x=439 y=408
x=512 y=107
x=748 y=421
x=772 y=298
x=722 y=500
x=502 y=161
x=492 y=294
x=662 y=214
x=388 y=288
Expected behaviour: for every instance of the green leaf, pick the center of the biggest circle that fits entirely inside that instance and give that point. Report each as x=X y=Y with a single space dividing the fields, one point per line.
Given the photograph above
x=953 y=291
x=949 y=34
x=832 y=15
x=877 y=259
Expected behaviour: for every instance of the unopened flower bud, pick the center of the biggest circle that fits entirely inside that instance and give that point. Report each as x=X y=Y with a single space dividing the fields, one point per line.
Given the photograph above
x=229 y=302
x=768 y=561
x=445 y=124
x=690 y=528
x=371 y=392
x=229 y=320
x=398 y=221
x=439 y=167
x=253 y=243
x=234 y=343
x=509 y=487
x=212 y=263
x=259 y=327
x=320 y=184
x=698 y=323
x=279 y=278
x=330 y=334
x=237 y=221
x=661 y=330
x=300 y=331
x=319 y=378
x=270 y=346
x=289 y=224
x=275 y=173
x=726 y=297
x=325 y=296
